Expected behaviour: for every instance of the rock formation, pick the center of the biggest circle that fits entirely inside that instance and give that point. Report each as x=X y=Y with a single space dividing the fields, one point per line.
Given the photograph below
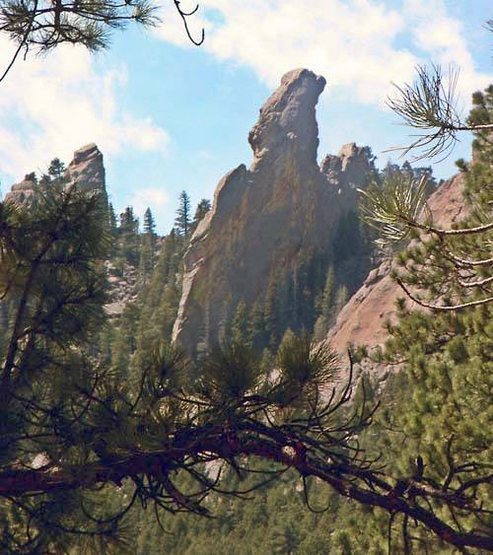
x=86 y=170
x=350 y=169
x=23 y=191
x=362 y=320
x=266 y=217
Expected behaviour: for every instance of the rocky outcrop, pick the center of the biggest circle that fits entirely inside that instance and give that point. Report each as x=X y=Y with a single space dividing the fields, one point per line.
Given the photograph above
x=351 y=169
x=123 y=288
x=23 y=191
x=263 y=218
x=362 y=320
x=86 y=171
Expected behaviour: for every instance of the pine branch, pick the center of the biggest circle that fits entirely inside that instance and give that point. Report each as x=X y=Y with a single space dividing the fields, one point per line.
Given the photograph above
x=341 y=477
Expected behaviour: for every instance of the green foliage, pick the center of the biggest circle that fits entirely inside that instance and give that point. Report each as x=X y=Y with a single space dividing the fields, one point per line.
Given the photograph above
x=56 y=169
x=202 y=208
x=303 y=368
x=52 y=289
x=149 y=223
x=183 y=221
x=436 y=415
x=391 y=208
x=128 y=238
x=429 y=107
x=229 y=372
x=87 y=23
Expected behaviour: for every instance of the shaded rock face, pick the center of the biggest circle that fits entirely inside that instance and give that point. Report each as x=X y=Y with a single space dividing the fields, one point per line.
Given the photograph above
x=362 y=320
x=86 y=171
x=263 y=218
x=350 y=169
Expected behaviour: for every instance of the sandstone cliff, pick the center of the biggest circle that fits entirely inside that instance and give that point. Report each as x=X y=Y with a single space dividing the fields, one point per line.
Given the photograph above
x=266 y=218
x=362 y=320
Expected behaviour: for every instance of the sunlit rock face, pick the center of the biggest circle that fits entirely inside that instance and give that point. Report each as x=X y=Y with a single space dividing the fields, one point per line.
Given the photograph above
x=86 y=171
x=23 y=191
x=363 y=320
x=266 y=217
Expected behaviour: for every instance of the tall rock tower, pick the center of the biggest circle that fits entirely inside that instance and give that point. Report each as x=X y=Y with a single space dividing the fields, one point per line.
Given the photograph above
x=86 y=170
x=266 y=221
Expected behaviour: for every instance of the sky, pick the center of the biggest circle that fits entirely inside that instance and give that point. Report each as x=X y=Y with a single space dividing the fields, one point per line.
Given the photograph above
x=169 y=116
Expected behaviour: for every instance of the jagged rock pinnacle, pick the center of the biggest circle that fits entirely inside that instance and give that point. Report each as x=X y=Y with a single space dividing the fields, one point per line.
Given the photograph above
x=289 y=115
x=265 y=220
x=86 y=169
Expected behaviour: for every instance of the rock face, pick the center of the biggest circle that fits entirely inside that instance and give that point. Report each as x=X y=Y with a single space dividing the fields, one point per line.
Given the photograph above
x=86 y=171
x=23 y=191
x=362 y=320
x=350 y=168
x=263 y=218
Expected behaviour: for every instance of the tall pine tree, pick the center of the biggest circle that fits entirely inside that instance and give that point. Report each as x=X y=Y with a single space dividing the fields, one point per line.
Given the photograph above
x=183 y=220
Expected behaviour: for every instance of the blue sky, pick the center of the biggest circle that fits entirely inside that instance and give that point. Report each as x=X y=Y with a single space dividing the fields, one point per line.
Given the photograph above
x=169 y=116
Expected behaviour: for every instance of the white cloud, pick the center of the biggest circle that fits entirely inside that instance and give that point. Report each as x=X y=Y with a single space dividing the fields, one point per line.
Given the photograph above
x=360 y=46
x=442 y=39
x=51 y=106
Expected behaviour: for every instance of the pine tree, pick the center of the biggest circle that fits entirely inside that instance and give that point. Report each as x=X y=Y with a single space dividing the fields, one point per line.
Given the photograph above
x=43 y=28
x=441 y=396
x=128 y=237
x=326 y=306
x=149 y=225
x=202 y=208
x=112 y=221
x=53 y=288
x=239 y=325
x=183 y=219
x=147 y=250
x=56 y=169
x=128 y=222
